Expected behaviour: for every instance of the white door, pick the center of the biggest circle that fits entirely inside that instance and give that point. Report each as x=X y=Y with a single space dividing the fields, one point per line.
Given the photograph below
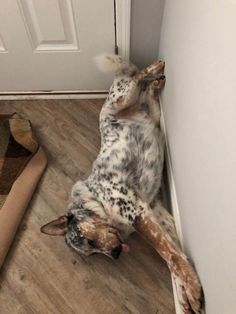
x=50 y=44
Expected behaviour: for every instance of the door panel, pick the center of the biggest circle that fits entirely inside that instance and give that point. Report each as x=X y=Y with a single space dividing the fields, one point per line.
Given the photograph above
x=51 y=44
x=51 y=24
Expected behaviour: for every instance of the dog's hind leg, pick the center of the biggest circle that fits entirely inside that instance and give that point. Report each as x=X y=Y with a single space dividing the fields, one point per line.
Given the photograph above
x=123 y=94
x=131 y=96
x=138 y=112
x=128 y=99
x=152 y=98
x=153 y=69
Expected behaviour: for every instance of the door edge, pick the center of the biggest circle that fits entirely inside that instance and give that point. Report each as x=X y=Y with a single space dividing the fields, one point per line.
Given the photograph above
x=123 y=25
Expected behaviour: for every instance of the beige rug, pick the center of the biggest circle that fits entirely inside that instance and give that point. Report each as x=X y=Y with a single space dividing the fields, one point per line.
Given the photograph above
x=22 y=162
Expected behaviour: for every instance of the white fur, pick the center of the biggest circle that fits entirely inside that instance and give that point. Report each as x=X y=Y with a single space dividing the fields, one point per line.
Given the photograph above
x=109 y=63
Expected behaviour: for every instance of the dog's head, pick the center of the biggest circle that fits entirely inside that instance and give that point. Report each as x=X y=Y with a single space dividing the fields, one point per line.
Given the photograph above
x=87 y=233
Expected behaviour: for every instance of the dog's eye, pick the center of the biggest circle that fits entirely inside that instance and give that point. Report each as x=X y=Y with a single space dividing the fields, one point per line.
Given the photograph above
x=91 y=242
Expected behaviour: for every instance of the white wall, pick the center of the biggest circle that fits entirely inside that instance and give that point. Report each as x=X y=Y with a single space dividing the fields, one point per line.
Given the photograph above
x=146 y=17
x=198 y=43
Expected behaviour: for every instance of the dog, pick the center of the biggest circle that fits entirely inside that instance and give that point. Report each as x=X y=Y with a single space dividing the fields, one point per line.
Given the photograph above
x=121 y=194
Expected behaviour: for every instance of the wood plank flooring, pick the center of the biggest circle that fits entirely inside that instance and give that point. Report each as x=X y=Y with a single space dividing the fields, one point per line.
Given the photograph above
x=41 y=274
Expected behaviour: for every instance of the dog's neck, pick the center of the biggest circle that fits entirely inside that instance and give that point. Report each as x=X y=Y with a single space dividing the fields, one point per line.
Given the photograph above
x=83 y=199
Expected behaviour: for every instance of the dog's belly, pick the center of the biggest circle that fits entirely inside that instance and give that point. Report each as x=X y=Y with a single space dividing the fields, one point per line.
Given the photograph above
x=132 y=153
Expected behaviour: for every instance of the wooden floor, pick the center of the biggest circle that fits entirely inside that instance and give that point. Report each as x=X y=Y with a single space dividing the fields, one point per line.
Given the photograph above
x=41 y=274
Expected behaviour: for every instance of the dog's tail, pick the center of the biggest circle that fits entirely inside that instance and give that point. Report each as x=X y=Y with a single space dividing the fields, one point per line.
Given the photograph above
x=109 y=63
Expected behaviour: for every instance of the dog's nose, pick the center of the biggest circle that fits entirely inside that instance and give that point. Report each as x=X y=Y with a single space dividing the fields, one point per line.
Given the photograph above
x=115 y=253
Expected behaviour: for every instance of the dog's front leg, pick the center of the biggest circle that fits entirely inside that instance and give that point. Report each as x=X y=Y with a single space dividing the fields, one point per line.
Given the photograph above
x=151 y=230
x=166 y=220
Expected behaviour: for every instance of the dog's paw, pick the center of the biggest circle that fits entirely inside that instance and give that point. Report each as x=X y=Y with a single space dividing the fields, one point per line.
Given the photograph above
x=193 y=290
x=159 y=83
x=158 y=67
x=188 y=286
x=185 y=307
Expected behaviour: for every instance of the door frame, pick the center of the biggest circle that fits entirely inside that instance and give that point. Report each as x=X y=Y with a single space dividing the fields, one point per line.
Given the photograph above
x=122 y=28
x=123 y=24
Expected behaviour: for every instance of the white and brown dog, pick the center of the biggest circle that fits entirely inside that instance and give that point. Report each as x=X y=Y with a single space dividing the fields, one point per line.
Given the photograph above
x=119 y=196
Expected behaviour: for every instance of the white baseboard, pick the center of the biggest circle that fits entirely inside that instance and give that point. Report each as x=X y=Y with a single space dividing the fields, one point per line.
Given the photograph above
x=171 y=183
x=173 y=202
x=52 y=95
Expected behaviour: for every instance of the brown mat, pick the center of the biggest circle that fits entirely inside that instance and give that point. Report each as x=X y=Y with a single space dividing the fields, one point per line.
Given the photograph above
x=22 y=162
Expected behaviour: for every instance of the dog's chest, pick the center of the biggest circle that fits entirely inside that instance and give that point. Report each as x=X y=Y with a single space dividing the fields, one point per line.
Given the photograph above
x=116 y=197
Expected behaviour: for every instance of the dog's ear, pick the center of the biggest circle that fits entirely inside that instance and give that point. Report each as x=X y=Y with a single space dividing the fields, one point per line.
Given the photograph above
x=57 y=227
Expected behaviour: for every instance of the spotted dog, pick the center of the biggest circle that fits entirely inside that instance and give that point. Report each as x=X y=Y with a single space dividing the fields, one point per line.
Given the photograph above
x=119 y=197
